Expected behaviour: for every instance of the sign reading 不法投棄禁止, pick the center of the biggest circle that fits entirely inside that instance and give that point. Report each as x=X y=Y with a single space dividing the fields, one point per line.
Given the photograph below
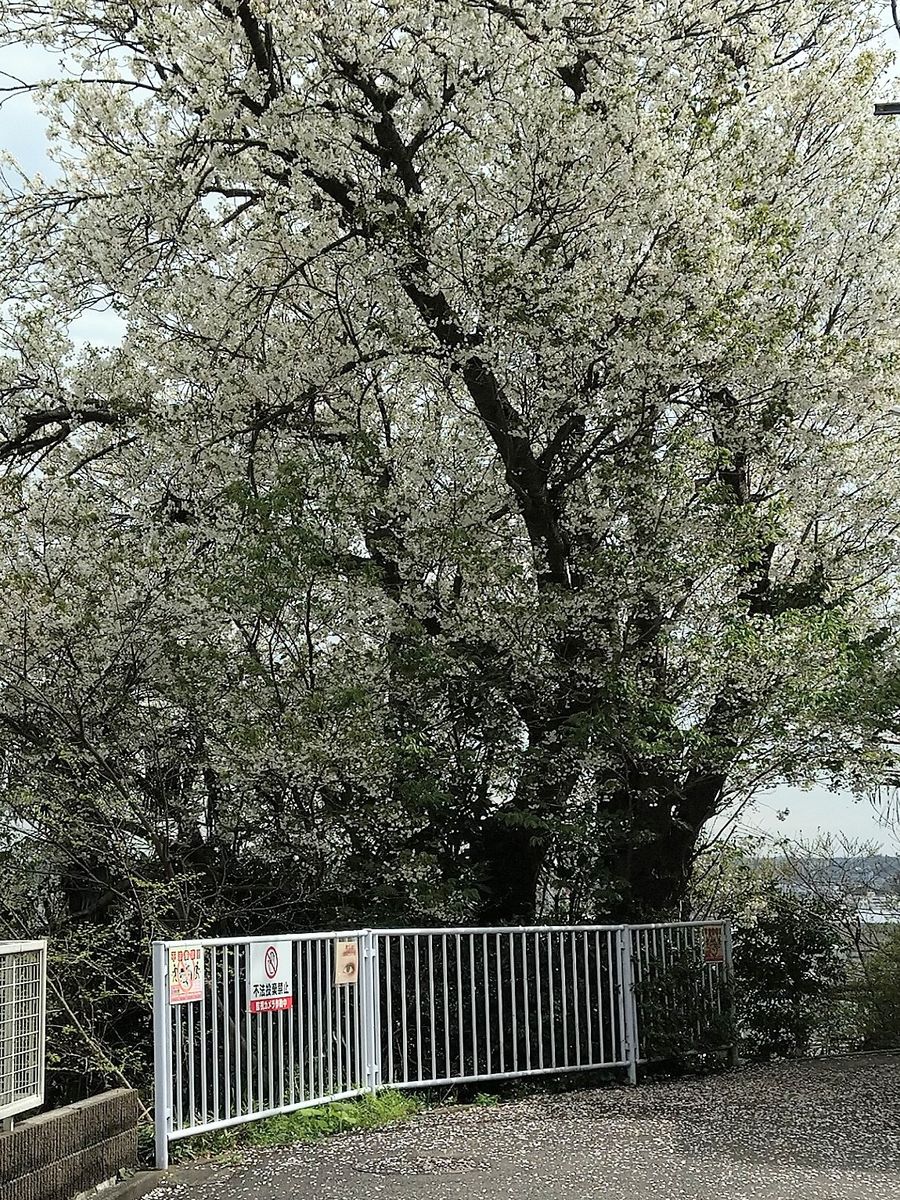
x=270 y=978
x=185 y=974
x=346 y=961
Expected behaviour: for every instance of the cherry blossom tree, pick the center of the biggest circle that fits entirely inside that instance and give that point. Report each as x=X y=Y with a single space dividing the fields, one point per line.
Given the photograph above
x=497 y=474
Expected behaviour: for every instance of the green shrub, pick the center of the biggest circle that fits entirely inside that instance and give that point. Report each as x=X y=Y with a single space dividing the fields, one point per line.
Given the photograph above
x=878 y=996
x=788 y=970
x=679 y=1020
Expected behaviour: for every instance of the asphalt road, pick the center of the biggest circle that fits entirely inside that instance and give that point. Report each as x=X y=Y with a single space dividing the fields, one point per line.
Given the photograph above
x=826 y=1130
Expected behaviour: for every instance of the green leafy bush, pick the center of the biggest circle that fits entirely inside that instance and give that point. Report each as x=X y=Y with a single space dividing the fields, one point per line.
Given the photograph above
x=680 y=1019
x=789 y=966
x=878 y=996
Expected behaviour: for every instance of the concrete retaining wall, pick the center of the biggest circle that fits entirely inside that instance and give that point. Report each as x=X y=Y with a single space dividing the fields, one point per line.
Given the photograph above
x=59 y=1154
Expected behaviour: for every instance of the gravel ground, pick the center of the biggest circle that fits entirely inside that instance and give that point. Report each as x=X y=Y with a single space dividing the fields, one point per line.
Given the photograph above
x=826 y=1130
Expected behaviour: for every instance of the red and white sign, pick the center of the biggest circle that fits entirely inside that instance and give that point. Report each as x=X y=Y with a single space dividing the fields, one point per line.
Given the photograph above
x=185 y=974
x=713 y=944
x=270 y=985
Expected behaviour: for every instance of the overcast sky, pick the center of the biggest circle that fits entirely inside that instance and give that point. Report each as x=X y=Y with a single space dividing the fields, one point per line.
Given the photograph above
x=785 y=812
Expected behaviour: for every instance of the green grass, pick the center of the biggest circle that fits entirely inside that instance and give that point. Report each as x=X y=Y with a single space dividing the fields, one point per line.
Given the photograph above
x=304 y=1125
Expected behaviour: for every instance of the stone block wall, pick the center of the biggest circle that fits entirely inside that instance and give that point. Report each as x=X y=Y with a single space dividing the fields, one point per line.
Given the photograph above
x=59 y=1154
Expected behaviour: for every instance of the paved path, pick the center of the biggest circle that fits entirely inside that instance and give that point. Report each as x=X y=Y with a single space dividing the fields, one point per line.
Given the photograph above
x=808 y=1131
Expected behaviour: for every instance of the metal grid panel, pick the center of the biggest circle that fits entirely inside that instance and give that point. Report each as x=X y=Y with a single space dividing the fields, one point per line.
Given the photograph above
x=22 y=1022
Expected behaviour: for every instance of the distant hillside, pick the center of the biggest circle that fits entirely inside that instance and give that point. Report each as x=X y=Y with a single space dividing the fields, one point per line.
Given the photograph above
x=877 y=874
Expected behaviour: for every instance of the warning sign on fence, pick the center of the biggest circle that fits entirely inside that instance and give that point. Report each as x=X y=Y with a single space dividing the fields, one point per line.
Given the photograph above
x=713 y=944
x=185 y=974
x=270 y=981
x=346 y=961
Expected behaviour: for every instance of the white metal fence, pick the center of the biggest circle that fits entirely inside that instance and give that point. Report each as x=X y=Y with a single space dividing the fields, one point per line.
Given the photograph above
x=23 y=999
x=245 y=1028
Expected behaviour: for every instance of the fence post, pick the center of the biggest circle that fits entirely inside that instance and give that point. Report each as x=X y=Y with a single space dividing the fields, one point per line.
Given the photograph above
x=376 y=1010
x=368 y=1009
x=162 y=1064
x=629 y=1000
x=42 y=1020
x=734 y=1056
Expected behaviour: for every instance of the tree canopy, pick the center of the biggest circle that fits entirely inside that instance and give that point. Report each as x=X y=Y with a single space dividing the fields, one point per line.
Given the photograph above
x=496 y=475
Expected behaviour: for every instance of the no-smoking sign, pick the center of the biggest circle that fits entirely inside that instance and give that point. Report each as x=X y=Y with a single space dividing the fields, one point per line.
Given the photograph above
x=270 y=986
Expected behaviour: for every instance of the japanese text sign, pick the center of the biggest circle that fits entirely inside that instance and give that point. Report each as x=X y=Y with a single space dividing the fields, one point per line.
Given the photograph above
x=185 y=974
x=270 y=980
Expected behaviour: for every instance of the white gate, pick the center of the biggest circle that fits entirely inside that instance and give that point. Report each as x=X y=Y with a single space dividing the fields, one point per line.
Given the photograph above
x=245 y=1028
x=23 y=1001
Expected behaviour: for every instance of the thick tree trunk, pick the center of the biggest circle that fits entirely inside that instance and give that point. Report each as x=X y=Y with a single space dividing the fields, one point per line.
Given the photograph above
x=657 y=834
x=510 y=860
x=653 y=876
x=510 y=849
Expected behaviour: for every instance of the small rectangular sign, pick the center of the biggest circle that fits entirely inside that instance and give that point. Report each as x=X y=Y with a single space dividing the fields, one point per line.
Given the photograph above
x=185 y=974
x=346 y=961
x=270 y=978
x=713 y=944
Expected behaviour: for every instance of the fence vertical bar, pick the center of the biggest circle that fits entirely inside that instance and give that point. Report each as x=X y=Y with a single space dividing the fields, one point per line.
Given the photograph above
x=499 y=958
x=575 y=997
x=343 y=1072
x=204 y=1076
x=161 y=1058
x=178 y=1098
x=417 y=993
x=358 y=1032
x=514 y=1001
x=446 y=1005
x=389 y=1005
x=472 y=1006
x=588 y=1019
x=459 y=1006
x=248 y=1025
x=526 y=1009
x=734 y=1056
x=551 y=999
x=629 y=1002
x=487 y=1000
x=328 y=955
x=432 y=1033
x=371 y=1014
x=42 y=1022
x=403 y=1020
x=540 y=1011
x=238 y=1077
x=323 y=994
x=363 y=1009
x=563 y=990
x=214 y=994
x=376 y=1009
